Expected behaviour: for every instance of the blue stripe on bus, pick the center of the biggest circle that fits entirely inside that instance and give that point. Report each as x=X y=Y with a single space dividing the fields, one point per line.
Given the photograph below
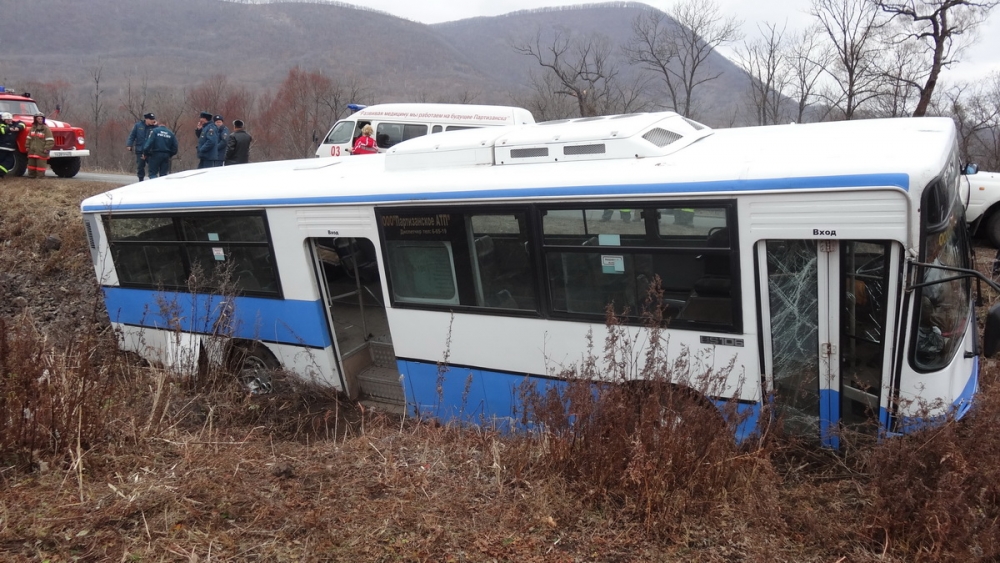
x=901 y=181
x=492 y=397
x=905 y=425
x=963 y=403
x=299 y=323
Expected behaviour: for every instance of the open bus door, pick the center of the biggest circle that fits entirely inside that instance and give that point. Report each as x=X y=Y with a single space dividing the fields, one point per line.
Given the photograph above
x=825 y=321
x=348 y=277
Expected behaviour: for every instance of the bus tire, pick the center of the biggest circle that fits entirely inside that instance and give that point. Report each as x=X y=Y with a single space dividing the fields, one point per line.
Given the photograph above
x=65 y=167
x=253 y=365
x=679 y=406
x=20 y=164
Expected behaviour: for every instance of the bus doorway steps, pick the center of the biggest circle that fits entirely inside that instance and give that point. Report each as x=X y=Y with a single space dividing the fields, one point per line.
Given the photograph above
x=381 y=385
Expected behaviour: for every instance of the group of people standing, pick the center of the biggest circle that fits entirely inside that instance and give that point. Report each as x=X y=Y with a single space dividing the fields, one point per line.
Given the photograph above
x=154 y=144
x=217 y=146
x=39 y=142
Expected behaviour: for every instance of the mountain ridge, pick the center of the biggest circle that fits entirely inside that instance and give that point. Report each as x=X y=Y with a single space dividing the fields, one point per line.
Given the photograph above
x=182 y=42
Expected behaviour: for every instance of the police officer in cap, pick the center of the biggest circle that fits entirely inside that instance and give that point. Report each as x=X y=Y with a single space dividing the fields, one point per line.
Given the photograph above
x=137 y=139
x=220 y=155
x=208 y=140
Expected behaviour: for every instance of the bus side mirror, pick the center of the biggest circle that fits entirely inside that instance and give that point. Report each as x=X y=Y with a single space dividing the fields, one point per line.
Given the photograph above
x=991 y=332
x=971 y=169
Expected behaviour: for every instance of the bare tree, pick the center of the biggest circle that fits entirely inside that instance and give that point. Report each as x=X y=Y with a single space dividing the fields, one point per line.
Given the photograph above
x=542 y=100
x=677 y=47
x=98 y=110
x=766 y=63
x=898 y=88
x=853 y=27
x=976 y=111
x=209 y=95
x=134 y=97
x=583 y=67
x=809 y=58
x=937 y=25
x=295 y=117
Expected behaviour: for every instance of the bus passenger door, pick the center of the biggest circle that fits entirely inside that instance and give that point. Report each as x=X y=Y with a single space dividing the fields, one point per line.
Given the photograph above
x=348 y=275
x=824 y=308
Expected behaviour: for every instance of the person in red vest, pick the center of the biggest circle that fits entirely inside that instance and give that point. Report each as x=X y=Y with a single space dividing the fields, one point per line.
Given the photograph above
x=365 y=143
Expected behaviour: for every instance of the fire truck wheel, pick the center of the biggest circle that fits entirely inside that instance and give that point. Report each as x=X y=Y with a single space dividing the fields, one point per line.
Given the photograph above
x=20 y=164
x=65 y=167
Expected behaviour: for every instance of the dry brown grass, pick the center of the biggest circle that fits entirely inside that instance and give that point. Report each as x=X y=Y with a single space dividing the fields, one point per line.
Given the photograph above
x=142 y=467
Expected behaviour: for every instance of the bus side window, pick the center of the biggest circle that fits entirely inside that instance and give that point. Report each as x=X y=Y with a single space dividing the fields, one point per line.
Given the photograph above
x=505 y=277
x=592 y=262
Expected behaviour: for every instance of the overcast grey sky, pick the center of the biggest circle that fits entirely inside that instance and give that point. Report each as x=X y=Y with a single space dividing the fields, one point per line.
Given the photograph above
x=979 y=60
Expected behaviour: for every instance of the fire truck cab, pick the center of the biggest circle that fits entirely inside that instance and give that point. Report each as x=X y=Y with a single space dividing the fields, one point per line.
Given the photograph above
x=70 y=142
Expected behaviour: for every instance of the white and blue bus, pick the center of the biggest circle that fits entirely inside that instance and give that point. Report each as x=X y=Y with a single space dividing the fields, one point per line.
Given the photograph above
x=828 y=262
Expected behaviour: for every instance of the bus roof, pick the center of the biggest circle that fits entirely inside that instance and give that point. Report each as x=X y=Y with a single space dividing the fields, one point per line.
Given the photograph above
x=480 y=164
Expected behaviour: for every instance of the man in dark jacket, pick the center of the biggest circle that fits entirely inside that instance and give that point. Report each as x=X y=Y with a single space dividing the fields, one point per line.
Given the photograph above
x=137 y=139
x=238 y=145
x=208 y=141
x=160 y=147
x=9 y=131
x=220 y=124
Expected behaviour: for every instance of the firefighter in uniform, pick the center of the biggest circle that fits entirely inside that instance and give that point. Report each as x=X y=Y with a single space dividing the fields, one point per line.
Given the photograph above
x=40 y=142
x=137 y=140
x=9 y=130
x=208 y=141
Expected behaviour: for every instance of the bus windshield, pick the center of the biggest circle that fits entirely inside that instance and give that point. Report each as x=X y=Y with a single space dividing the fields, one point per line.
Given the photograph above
x=944 y=308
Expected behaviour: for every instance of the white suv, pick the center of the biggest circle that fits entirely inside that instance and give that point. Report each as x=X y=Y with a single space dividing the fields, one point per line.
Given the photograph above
x=983 y=210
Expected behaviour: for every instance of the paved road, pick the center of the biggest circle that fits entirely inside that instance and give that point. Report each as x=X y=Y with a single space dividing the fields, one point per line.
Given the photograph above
x=95 y=177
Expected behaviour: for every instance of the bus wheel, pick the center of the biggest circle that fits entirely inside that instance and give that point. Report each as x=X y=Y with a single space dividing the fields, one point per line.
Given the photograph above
x=20 y=164
x=993 y=229
x=65 y=167
x=680 y=408
x=253 y=366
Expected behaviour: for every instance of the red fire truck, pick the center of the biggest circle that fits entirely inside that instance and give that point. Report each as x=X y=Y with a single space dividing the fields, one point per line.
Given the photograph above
x=70 y=143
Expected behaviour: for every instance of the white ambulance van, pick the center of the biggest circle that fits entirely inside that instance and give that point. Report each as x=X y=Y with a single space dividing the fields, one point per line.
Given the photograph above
x=395 y=123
